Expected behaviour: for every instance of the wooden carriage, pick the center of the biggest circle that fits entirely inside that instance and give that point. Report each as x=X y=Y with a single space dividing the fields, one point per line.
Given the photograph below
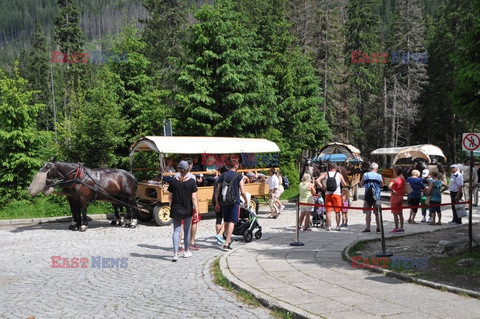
x=345 y=155
x=152 y=193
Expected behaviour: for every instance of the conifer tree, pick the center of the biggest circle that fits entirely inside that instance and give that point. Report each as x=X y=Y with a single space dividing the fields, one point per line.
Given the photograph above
x=223 y=90
x=34 y=68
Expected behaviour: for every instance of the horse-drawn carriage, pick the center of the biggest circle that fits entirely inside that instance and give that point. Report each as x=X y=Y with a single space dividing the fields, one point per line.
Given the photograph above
x=424 y=156
x=349 y=160
x=152 y=193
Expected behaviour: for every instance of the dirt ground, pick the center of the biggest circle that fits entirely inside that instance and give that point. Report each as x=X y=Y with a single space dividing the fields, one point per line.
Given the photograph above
x=442 y=268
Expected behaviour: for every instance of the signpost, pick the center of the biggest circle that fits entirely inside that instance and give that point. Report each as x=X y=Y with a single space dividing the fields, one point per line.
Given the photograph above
x=471 y=143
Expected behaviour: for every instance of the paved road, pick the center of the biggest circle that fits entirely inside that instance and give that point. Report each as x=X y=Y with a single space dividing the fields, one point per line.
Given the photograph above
x=150 y=286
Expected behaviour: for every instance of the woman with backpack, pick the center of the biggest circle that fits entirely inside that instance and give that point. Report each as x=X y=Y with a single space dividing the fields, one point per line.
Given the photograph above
x=333 y=195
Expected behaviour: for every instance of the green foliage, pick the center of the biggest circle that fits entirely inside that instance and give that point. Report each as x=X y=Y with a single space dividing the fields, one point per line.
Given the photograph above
x=143 y=104
x=223 y=89
x=97 y=127
x=467 y=71
x=19 y=139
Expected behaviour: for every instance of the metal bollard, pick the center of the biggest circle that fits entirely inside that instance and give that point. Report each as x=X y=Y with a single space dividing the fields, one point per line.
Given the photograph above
x=297 y=233
x=384 y=252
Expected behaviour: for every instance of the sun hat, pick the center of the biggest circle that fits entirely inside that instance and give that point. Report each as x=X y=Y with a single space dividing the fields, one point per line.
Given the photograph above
x=425 y=173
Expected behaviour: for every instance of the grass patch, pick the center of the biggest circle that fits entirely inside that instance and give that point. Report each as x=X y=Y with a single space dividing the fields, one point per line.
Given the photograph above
x=242 y=295
x=357 y=247
x=52 y=206
x=449 y=264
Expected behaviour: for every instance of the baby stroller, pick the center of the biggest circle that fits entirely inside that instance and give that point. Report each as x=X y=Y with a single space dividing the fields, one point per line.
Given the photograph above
x=247 y=223
x=318 y=213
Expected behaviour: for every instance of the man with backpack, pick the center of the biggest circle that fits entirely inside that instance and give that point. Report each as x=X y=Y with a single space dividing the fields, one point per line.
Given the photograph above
x=230 y=186
x=373 y=183
x=333 y=195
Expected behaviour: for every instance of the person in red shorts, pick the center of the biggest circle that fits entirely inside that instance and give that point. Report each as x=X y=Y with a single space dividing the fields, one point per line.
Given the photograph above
x=333 y=195
x=397 y=186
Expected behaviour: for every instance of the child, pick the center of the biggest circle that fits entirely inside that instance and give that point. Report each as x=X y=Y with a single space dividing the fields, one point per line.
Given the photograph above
x=345 y=203
x=436 y=188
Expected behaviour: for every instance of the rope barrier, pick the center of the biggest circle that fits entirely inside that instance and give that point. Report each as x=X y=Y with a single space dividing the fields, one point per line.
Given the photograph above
x=383 y=208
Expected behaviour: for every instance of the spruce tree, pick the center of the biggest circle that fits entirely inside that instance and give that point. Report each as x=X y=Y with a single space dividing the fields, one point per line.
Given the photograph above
x=223 y=90
x=34 y=67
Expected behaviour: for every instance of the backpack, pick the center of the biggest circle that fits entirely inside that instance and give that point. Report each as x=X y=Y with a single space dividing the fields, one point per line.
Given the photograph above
x=286 y=182
x=331 y=183
x=371 y=194
x=227 y=196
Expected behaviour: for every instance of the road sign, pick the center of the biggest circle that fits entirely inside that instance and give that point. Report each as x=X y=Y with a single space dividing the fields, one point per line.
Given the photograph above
x=471 y=142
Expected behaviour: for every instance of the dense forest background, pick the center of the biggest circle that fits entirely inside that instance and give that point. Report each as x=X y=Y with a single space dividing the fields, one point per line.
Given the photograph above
x=298 y=72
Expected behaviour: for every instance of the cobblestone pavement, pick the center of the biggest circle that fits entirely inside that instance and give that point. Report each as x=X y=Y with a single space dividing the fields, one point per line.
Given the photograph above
x=150 y=286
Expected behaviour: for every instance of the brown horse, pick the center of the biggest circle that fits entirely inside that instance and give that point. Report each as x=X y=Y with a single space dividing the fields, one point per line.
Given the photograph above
x=81 y=185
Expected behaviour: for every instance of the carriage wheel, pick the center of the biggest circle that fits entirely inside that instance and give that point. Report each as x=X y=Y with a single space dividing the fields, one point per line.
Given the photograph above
x=162 y=215
x=355 y=192
x=254 y=204
x=144 y=215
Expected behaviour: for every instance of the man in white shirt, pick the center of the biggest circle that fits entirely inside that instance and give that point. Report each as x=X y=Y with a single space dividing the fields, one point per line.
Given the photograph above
x=455 y=188
x=273 y=193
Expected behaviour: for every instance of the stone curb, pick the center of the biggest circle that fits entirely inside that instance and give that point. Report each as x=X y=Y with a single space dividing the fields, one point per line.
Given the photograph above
x=390 y=273
x=43 y=220
x=263 y=298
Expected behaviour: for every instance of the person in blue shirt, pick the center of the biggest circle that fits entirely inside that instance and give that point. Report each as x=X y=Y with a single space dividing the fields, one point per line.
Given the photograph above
x=416 y=186
x=372 y=179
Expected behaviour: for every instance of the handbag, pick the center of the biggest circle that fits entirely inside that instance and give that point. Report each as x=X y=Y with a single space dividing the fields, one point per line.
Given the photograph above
x=461 y=211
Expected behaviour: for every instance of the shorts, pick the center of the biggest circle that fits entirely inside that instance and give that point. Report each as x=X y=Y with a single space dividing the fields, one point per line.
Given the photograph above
x=194 y=220
x=377 y=204
x=414 y=202
x=396 y=202
x=231 y=213
x=333 y=200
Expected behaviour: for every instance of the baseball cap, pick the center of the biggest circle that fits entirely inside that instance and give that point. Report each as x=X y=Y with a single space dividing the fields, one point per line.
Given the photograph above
x=183 y=165
x=425 y=173
x=454 y=166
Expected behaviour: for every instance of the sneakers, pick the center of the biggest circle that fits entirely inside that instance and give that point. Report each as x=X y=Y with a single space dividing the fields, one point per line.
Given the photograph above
x=180 y=249
x=401 y=230
x=327 y=229
x=175 y=257
x=227 y=248
x=366 y=230
x=220 y=239
x=194 y=247
x=424 y=220
x=378 y=230
x=187 y=254
x=337 y=228
x=343 y=225
x=430 y=220
x=393 y=231
x=282 y=207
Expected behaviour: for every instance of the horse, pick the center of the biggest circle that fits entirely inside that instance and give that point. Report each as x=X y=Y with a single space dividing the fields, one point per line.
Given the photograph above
x=82 y=185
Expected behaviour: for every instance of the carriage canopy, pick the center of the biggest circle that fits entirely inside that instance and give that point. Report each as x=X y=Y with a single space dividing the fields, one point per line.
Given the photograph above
x=202 y=145
x=424 y=151
x=334 y=151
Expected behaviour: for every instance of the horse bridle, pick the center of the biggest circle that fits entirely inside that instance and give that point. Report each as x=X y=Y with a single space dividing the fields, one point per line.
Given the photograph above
x=61 y=181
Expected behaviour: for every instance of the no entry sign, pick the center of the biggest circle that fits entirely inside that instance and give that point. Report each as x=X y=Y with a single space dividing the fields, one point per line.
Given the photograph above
x=471 y=142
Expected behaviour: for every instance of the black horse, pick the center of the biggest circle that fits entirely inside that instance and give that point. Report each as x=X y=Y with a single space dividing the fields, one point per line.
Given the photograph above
x=81 y=185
